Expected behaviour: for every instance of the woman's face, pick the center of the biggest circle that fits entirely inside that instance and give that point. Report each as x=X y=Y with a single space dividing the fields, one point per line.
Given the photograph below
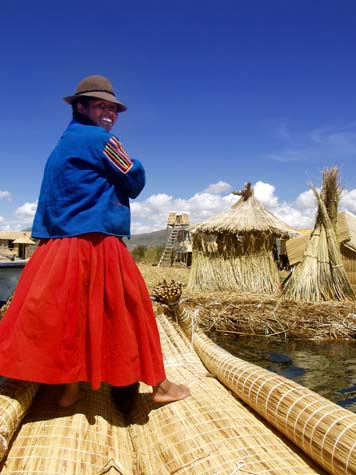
x=100 y=112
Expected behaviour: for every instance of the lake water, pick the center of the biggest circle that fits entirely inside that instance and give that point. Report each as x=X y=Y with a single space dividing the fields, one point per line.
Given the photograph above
x=328 y=368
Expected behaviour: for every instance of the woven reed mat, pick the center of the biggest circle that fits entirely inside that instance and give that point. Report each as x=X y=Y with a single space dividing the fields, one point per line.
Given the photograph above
x=88 y=439
x=209 y=433
x=15 y=399
x=322 y=429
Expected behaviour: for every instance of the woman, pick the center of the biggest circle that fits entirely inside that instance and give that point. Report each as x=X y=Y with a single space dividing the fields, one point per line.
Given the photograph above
x=81 y=311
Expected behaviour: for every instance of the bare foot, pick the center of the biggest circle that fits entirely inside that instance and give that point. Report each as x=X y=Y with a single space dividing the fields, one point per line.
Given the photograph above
x=167 y=391
x=70 y=395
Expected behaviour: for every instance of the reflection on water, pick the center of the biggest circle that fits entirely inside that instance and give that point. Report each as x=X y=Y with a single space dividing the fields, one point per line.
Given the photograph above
x=328 y=368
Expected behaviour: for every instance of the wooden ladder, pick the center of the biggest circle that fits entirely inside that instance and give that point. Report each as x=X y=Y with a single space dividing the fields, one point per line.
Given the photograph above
x=166 y=255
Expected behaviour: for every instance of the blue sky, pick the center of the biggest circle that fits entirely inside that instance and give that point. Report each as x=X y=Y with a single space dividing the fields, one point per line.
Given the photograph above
x=218 y=93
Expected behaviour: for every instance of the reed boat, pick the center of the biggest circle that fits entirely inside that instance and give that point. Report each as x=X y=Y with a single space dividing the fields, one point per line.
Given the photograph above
x=10 y=272
x=240 y=419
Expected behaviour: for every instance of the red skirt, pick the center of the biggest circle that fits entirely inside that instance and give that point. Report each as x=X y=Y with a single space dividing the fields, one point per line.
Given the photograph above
x=81 y=312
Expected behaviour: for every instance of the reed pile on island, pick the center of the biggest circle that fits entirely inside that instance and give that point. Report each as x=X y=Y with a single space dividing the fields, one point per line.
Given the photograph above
x=321 y=275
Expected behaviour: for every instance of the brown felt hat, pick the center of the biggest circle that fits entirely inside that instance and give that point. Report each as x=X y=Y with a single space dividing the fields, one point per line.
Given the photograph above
x=96 y=86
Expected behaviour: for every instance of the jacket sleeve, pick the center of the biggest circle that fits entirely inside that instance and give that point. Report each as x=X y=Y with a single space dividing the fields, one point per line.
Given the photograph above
x=128 y=172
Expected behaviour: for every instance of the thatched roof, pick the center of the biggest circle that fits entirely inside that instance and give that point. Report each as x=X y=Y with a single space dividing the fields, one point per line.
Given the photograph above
x=12 y=235
x=23 y=239
x=247 y=215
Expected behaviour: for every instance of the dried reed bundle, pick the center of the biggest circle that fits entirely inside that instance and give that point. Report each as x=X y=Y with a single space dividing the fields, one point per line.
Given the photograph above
x=331 y=193
x=15 y=400
x=90 y=438
x=321 y=275
x=208 y=433
x=303 y=284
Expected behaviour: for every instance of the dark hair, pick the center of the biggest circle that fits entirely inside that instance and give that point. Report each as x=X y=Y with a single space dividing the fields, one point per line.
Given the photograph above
x=82 y=118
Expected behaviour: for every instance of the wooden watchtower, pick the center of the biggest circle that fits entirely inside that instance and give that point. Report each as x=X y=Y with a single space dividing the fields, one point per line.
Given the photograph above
x=178 y=247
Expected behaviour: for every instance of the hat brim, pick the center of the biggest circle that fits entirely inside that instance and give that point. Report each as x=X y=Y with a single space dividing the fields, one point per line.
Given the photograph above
x=98 y=95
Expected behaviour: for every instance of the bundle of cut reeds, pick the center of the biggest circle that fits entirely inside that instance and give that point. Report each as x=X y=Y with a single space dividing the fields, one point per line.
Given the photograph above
x=321 y=275
x=15 y=400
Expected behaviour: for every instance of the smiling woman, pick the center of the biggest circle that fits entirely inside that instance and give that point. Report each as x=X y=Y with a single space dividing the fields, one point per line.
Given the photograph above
x=81 y=311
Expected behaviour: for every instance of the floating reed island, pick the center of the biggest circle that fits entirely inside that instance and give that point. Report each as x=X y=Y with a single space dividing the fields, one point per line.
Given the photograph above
x=240 y=419
x=264 y=315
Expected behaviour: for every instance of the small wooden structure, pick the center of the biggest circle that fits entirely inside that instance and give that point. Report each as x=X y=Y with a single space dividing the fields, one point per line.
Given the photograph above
x=234 y=250
x=178 y=247
x=15 y=244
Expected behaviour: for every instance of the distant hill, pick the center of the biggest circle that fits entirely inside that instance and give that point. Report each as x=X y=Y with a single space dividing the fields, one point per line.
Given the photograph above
x=153 y=239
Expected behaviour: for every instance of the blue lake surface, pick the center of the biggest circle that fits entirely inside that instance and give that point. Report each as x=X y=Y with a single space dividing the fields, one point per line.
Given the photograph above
x=328 y=368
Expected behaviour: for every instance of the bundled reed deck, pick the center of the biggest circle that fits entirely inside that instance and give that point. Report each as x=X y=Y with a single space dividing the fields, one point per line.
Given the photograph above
x=209 y=433
x=91 y=438
x=323 y=430
x=15 y=400
x=212 y=432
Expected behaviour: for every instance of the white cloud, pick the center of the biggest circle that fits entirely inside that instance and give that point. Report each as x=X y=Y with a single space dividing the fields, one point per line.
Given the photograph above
x=348 y=201
x=21 y=217
x=306 y=200
x=27 y=211
x=159 y=200
x=322 y=143
x=342 y=140
x=6 y=195
x=152 y=213
x=296 y=217
x=218 y=188
x=264 y=192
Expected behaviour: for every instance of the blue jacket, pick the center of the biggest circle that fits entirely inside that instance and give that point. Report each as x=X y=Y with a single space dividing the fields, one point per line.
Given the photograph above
x=87 y=183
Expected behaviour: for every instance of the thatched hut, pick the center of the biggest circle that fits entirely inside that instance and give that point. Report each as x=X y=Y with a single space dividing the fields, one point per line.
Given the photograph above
x=234 y=250
x=16 y=244
x=321 y=275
